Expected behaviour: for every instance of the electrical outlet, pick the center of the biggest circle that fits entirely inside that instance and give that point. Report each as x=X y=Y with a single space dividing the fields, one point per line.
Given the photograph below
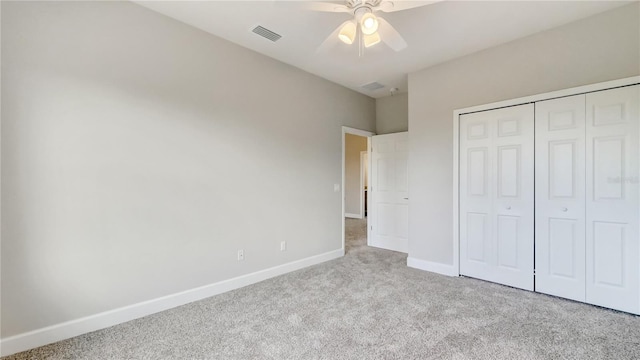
x=240 y=255
x=283 y=245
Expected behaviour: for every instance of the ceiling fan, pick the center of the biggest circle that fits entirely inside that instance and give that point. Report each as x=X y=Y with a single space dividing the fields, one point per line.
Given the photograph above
x=365 y=26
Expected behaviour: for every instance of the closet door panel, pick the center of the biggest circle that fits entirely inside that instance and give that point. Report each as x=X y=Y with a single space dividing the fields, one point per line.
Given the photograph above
x=560 y=197
x=496 y=196
x=514 y=195
x=613 y=199
x=476 y=204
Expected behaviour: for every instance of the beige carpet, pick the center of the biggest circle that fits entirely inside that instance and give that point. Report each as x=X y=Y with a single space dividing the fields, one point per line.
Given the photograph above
x=367 y=305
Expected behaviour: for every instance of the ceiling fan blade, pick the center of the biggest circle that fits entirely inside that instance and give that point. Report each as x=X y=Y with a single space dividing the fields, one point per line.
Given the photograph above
x=390 y=35
x=327 y=7
x=313 y=6
x=331 y=39
x=398 y=5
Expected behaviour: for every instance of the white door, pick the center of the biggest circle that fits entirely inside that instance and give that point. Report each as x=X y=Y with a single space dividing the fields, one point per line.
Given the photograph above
x=560 y=197
x=389 y=217
x=613 y=215
x=496 y=195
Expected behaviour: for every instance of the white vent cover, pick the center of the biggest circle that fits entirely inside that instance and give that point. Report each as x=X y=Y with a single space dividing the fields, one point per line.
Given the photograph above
x=266 y=33
x=372 y=86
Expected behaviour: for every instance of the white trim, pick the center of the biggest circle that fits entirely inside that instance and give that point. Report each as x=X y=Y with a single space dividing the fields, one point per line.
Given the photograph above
x=369 y=141
x=456 y=191
x=438 y=268
x=69 y=329
x=500 y=104
x=358 y=132
x=352 y=216
x=363 y=154
x=553 y=94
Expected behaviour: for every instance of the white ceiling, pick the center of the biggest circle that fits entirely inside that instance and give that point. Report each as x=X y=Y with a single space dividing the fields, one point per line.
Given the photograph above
x=435 y=33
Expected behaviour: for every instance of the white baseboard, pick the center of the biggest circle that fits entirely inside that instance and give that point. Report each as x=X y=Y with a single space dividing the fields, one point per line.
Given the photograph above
x=69 y=329
x=439 y=268
x=353 y=216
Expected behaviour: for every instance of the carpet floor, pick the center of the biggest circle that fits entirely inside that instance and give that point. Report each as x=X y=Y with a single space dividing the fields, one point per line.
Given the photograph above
x=366 y=305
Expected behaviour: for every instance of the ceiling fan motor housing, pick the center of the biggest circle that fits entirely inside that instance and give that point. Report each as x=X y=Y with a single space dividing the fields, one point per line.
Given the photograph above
x=356 y=3
x=361 y=7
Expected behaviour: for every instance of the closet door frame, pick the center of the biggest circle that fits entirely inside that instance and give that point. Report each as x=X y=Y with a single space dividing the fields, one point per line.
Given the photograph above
x=454 y=270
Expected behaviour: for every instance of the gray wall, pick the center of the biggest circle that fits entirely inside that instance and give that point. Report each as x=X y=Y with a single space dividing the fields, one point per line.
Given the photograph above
x=139 y=154
x=600 y=48
x=392 y=114
x=353 y=194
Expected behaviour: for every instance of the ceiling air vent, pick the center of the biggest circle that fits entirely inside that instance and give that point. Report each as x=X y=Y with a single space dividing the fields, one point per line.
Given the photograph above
x=266 y=33
x=372 y=86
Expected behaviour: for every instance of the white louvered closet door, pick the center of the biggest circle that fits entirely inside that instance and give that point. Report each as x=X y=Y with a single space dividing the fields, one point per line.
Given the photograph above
x=560 y=197
x=613 y=198
x=496 y=195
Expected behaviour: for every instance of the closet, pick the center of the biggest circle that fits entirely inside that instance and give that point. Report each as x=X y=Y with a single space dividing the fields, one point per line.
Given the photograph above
x=549 y=195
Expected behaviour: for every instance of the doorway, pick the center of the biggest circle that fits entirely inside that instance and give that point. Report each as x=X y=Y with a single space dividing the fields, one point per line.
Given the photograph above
x=356 y=145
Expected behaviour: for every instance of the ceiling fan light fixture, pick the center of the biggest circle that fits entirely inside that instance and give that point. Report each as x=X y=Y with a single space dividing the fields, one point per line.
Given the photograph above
x=369 y=24
x=348 y=33
x=370 y=40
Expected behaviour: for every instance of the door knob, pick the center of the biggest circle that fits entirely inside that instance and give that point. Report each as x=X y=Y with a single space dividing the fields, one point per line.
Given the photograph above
x=564 y=209
x=508 y=207
x=406 y=198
